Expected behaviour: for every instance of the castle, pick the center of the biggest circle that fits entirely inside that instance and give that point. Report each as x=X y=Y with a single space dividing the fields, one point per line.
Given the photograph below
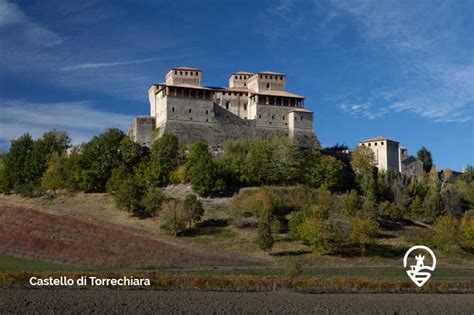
x=253 y=105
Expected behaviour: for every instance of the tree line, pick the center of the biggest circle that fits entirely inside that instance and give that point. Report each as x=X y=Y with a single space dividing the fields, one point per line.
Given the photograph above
x=133 y=174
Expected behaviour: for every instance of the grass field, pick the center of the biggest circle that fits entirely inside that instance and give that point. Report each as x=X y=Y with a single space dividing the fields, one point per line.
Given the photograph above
x=8 y=263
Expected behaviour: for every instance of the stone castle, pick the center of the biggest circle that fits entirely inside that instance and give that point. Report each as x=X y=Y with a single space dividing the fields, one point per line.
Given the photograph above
x=253 y=105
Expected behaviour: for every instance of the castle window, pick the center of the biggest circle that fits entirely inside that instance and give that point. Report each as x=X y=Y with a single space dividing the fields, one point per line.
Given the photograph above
x=301 y=117
x=245 y=106
x=268 y=86
x=181 y=72
x=375 y=143
x=283 y=117
x=381 y=143
x=259 y=116
x=270 y=123
x=227 y=104
x=176 y=72
x=245 y=84
x=369 y=144
x=265 y=77
x=191 y=118
x=207 y=120
x=190 y=110
x=207 y=112
x=185 y=72
x=245 y=117
x=172 y=109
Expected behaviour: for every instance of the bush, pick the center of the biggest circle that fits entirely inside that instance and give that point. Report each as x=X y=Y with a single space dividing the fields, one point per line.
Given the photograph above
x=446 y=234
x=179 y=175
x=173 y=216
x=152 y=201
x=466 y=229
x=164 y=159
x=351 y=203
x=194 y=207
x=265 y=238
x=390 y=209
x=128 y=196
x=364 y=231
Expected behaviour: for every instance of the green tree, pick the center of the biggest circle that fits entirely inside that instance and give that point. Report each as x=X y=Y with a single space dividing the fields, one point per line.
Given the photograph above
x=3 y=176
x=18 y=173
x=203 y=171
x=424 y=155
x=351 y=203
x=164 y=159
x=129 y=194
x=363 y=160
x=433 y=204
x=173 y=216
x=364 y=232
x=446 y=234
x=54 y=177
x=152 y=201
x=328 y=173
x=194 y=206
x=417 y=208
x=265 y=238
x=466 y=229
x=92 y=163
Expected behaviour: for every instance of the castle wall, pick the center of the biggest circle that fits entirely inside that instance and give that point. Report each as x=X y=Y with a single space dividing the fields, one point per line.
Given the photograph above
x=142 y=129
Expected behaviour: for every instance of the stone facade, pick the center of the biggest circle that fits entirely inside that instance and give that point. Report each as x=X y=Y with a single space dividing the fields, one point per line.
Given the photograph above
x=390 y=156
x=254 y=105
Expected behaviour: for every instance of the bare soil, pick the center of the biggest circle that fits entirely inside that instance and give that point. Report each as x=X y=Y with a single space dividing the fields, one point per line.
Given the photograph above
x=70 y=301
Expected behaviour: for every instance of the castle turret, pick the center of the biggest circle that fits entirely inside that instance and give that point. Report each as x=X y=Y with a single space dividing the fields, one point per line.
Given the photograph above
x=266 y=81
x=239 y=79
x=184 y=75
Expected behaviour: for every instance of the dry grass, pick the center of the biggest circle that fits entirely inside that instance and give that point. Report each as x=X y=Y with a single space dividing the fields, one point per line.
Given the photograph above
x=28 y=231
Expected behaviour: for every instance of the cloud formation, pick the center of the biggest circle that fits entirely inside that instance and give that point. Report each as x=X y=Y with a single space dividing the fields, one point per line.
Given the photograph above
x=13 y=19
x=81 y=119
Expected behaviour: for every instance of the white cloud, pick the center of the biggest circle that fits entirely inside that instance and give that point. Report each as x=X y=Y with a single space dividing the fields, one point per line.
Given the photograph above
x=80 y=119
x=435 y=73
x=13 y=18
x=83 y=66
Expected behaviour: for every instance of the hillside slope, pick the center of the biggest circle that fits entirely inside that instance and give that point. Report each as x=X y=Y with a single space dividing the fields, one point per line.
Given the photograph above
x=28 y=231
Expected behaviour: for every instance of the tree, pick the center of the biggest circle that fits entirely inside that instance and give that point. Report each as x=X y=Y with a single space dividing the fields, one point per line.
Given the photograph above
x=164 y=159
x=54 y=177
x=364 y=231
x=446 y=233
x=425 y=157
x=466 y=229
x=152 y=201
x=327 y=173
x=92 y=165
x=204 y=174
x=18 y=173
x=351 y=203
x=417 y=209
x=363 y=160
x=173 y=216
x=194 y=206
x=129 y=194
x=265 y=238
x=433 y=204
x=3 y=176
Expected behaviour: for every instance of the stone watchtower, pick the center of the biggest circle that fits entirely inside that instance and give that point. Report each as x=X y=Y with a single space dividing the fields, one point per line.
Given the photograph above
x=253 y=105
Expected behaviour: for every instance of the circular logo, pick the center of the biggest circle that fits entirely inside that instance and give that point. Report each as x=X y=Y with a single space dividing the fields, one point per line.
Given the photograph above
x=420 y=273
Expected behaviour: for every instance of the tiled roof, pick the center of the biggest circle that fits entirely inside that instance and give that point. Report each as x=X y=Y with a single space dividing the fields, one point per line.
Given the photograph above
x=301 y=110
x=185 y=68
x=243 y=72
x=278 y=93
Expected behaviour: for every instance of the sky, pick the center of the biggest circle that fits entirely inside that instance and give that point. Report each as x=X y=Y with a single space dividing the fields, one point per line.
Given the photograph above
x=399 y=69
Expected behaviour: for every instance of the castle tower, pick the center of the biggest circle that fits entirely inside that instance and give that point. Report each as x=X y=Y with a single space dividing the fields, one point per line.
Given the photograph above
x=266 y=81
x=386 y=152
x=239 y=79
x=184 y=75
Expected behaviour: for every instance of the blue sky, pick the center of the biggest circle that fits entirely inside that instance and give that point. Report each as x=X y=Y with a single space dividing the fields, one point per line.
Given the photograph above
x=400 y=69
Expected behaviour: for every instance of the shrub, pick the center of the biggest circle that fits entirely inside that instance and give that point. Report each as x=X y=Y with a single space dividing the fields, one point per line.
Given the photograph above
x=296 y=219
x=351 y=203
x=173 y=216
x=390 y=209
x=265 y=238
x=179 y=175
x=364 y=231
x=466 y=229
x=446 y=231
x=128 y=196
x=194 y=207
x=55 y=175
x=152 y=201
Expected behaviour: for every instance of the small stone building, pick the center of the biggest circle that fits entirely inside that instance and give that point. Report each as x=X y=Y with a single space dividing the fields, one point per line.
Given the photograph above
x=253 y=105
x=390 y=156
